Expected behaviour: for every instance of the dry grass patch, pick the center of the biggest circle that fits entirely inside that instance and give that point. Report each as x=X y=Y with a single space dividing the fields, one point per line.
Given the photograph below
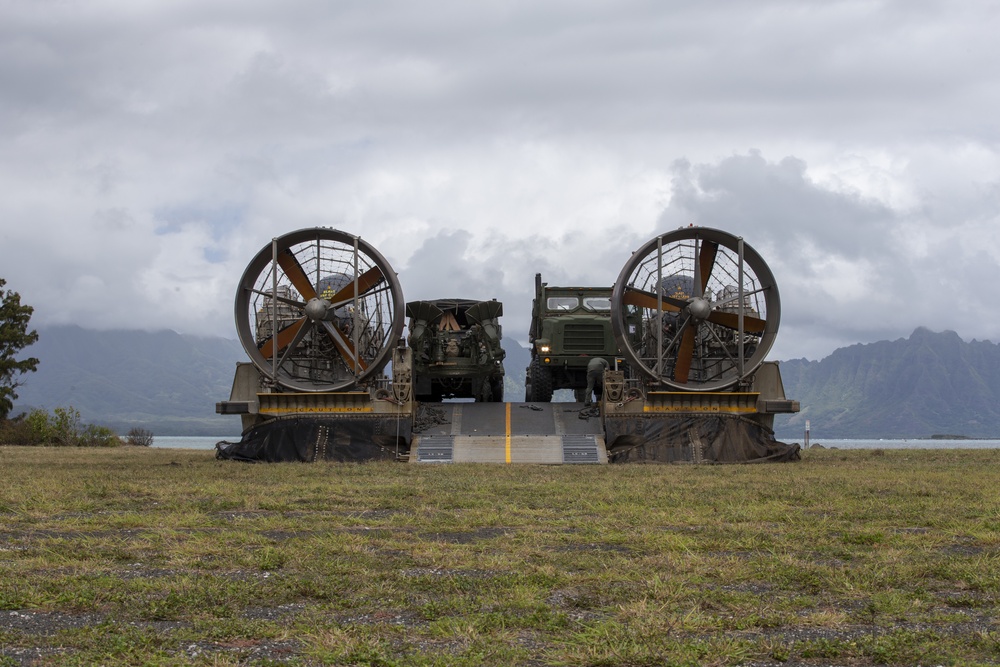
x=147 y=556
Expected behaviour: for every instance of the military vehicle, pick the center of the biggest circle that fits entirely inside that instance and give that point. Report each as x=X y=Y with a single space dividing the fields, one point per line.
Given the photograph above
x=692 y=314
x=695 y=311
x=569 y=327
x=320 y=314
x=456 y=349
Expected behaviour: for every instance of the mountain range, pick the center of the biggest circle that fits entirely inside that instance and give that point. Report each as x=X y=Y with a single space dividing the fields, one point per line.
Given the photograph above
x=162 y=381
x=925 y=385
x=928 y=384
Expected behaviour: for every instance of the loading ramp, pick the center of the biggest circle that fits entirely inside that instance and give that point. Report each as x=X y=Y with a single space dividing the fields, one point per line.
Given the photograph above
x=551 y=433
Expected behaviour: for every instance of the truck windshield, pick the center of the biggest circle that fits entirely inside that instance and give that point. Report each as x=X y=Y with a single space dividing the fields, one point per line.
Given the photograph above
x=598 y=303
x=562 y=303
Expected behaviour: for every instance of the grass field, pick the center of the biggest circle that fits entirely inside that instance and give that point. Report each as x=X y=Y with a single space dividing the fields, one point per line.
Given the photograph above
x=167 y=557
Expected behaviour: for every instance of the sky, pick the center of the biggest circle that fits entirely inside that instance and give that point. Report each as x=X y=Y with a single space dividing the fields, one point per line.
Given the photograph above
x=150 y=148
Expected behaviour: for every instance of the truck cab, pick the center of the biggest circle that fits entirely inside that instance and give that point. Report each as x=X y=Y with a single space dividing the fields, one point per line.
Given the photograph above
x=569 y=327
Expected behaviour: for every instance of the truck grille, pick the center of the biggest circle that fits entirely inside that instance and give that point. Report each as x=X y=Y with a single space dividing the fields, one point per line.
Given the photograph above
x=583 y=338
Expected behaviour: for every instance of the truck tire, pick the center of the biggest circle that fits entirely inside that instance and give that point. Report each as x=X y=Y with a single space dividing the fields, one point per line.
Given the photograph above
x=541 y=382
x=496 y=387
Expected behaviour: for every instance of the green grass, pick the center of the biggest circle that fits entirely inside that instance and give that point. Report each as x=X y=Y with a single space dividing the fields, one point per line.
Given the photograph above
x=169 y=557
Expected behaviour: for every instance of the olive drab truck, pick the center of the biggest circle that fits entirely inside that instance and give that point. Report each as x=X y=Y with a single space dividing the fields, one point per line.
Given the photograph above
x=569 y=327
x=456 y=349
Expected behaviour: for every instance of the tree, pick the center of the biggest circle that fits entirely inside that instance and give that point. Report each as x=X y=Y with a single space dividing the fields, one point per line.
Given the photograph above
x=14 y=336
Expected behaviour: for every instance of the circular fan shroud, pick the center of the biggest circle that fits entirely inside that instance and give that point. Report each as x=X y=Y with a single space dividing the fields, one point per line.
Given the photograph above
x=339 y=310
x=713 y=334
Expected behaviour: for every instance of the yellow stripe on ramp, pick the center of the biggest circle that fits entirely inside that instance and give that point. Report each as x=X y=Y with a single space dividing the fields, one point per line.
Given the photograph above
x=507 y=445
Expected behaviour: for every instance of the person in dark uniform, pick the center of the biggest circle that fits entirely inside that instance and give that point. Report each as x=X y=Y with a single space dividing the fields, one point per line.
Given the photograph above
x=595 y=378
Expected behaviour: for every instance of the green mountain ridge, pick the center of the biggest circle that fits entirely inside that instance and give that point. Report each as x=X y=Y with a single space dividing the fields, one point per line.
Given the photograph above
x=916 y=387
x=930 y=383
x=163 y=381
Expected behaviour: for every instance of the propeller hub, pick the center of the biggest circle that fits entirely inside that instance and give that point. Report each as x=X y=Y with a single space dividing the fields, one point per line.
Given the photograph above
x=699 y=308
x=317 y=308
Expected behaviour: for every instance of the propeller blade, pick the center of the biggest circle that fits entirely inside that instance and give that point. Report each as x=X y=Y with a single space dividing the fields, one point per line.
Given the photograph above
x=731 y=320
x=706 y=262
x=345 y=347
x=366 y=281
x=685 y=354
x=643 y=299
x=290 y=265
x=282 y=340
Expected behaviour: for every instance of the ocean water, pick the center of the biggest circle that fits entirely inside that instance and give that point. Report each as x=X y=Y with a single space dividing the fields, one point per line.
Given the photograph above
x=208 y=442
x=191 y=441
x=915 y=443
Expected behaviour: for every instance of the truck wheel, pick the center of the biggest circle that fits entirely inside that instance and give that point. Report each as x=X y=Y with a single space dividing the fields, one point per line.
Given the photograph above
x=496 y=387
x=485 y=393
x=541 y=382
x=580 y=395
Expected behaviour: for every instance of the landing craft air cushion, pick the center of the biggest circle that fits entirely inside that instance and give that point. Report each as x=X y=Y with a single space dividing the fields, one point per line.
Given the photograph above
x=320 y=314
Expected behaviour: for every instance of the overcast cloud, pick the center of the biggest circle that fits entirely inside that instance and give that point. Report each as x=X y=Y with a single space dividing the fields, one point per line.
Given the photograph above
x=150 y=148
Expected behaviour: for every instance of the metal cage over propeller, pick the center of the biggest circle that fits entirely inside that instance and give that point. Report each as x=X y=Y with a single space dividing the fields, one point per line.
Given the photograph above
x=319 y=310
x=695 y=309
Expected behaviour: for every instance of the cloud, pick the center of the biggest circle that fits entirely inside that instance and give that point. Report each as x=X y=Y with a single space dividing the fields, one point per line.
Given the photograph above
x=848 y=267
x=150 y=149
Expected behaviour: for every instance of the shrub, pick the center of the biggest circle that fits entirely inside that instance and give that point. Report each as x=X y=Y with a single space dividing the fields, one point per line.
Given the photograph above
x=139 y=437
x=62 y=428
x=92 y=435
x=40 y=427
x=18 y=431
x=65 y=426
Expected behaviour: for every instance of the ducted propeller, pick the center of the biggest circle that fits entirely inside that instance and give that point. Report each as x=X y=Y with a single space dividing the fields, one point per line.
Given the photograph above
x=342 y=327
x=695 y=309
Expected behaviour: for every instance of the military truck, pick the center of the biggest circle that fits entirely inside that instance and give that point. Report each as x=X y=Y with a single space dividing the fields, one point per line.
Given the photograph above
x=456 y=349
x=569 y=327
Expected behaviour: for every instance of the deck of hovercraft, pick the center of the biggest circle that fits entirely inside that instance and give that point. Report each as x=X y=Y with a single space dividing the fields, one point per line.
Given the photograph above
x=510 y=433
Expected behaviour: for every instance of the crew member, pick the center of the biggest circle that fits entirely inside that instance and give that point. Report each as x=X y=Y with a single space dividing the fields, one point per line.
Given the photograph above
x=595 y=378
